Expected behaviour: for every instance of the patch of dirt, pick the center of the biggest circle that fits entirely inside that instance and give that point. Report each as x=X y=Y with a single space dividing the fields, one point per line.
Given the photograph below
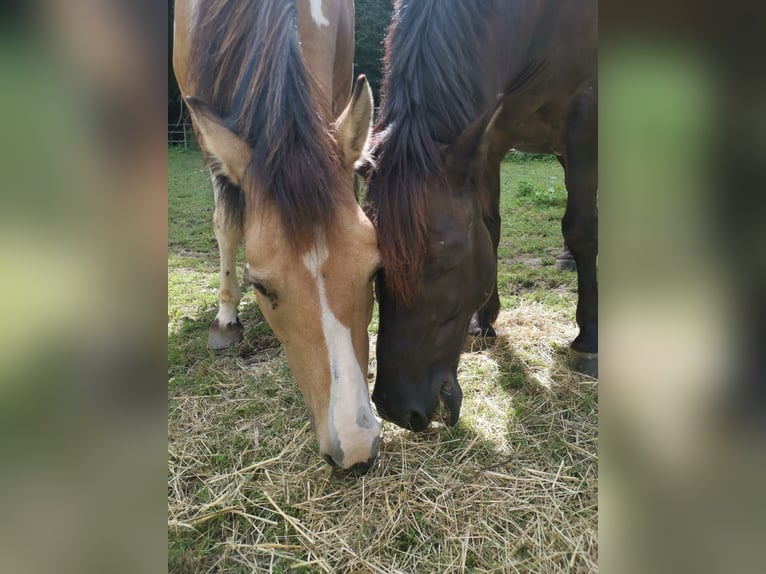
x=534 y=262
x=260 y=344
x=554 y=251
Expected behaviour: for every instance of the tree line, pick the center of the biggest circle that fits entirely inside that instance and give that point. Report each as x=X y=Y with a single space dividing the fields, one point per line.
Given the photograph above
x=372 y=19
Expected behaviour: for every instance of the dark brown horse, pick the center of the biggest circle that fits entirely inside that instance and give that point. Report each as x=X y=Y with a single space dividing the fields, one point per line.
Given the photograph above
x=266 y=82
x=466 y=81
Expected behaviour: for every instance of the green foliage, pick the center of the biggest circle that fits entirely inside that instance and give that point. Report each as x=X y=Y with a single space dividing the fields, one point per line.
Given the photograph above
x=372 y=19
x=550 y=195
x=175 y=106
x=524 y=157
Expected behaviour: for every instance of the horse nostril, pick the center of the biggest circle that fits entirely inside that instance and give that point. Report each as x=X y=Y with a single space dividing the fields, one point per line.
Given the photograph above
x=416 y=420
x=360 y=468
x=329 y=460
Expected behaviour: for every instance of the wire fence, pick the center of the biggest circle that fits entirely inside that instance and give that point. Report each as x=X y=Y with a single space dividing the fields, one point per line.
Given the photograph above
x=181 y=134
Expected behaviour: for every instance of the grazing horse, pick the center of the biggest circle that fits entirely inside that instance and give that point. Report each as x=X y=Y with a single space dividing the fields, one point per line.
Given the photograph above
x=465 y=82
x=266 y=82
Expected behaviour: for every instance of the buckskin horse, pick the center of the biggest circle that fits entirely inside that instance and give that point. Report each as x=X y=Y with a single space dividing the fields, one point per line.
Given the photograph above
x=465 y=82
x=266 y=82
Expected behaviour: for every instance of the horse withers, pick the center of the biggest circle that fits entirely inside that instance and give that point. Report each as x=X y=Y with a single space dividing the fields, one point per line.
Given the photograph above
x=266 y=82
x=465 y=82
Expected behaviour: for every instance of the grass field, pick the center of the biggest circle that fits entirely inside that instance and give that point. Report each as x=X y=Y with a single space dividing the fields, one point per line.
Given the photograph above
x=511 y=488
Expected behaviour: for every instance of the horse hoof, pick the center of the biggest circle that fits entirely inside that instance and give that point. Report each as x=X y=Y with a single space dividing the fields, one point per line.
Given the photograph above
x=585 y=363
x=219 y=338
x=476 y=330
x=566 y=263
x=475 y=343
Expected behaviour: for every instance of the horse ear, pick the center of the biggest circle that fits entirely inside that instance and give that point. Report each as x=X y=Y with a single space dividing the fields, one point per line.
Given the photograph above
x=469 y=150
x=354 y=125
x=231 y=152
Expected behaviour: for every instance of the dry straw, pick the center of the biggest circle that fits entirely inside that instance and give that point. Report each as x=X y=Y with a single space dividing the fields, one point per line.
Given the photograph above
x=512 y=488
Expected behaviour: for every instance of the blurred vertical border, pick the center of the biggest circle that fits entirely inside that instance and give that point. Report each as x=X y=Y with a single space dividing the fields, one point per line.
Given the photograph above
x=83 y=234
x=683 y=279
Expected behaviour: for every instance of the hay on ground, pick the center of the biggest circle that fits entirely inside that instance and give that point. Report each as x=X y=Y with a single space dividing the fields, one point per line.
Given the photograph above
x=512 y=488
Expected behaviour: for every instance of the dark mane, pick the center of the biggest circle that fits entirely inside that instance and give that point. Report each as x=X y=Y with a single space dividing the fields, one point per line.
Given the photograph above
x=246 y=60
x=429 y=97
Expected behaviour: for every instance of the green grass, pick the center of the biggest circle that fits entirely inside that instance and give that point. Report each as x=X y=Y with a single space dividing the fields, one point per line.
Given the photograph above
x=531 y=233
x=248 y=493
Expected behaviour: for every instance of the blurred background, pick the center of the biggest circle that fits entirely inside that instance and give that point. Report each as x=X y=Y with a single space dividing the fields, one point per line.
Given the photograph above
x=83 y=234
x=683 y=274
x=83 y=163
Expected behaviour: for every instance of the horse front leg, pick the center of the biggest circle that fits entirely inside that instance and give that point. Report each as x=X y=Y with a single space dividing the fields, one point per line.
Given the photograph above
x=483 y=319
x=580 y=229
x=226 y=330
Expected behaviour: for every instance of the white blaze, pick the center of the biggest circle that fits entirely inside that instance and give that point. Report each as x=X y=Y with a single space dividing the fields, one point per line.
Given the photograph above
x=317 y=15
x=348 y=388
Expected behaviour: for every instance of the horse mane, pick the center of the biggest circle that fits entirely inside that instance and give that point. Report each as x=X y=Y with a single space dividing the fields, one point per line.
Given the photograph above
x=247 y=62
x=429 y=97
